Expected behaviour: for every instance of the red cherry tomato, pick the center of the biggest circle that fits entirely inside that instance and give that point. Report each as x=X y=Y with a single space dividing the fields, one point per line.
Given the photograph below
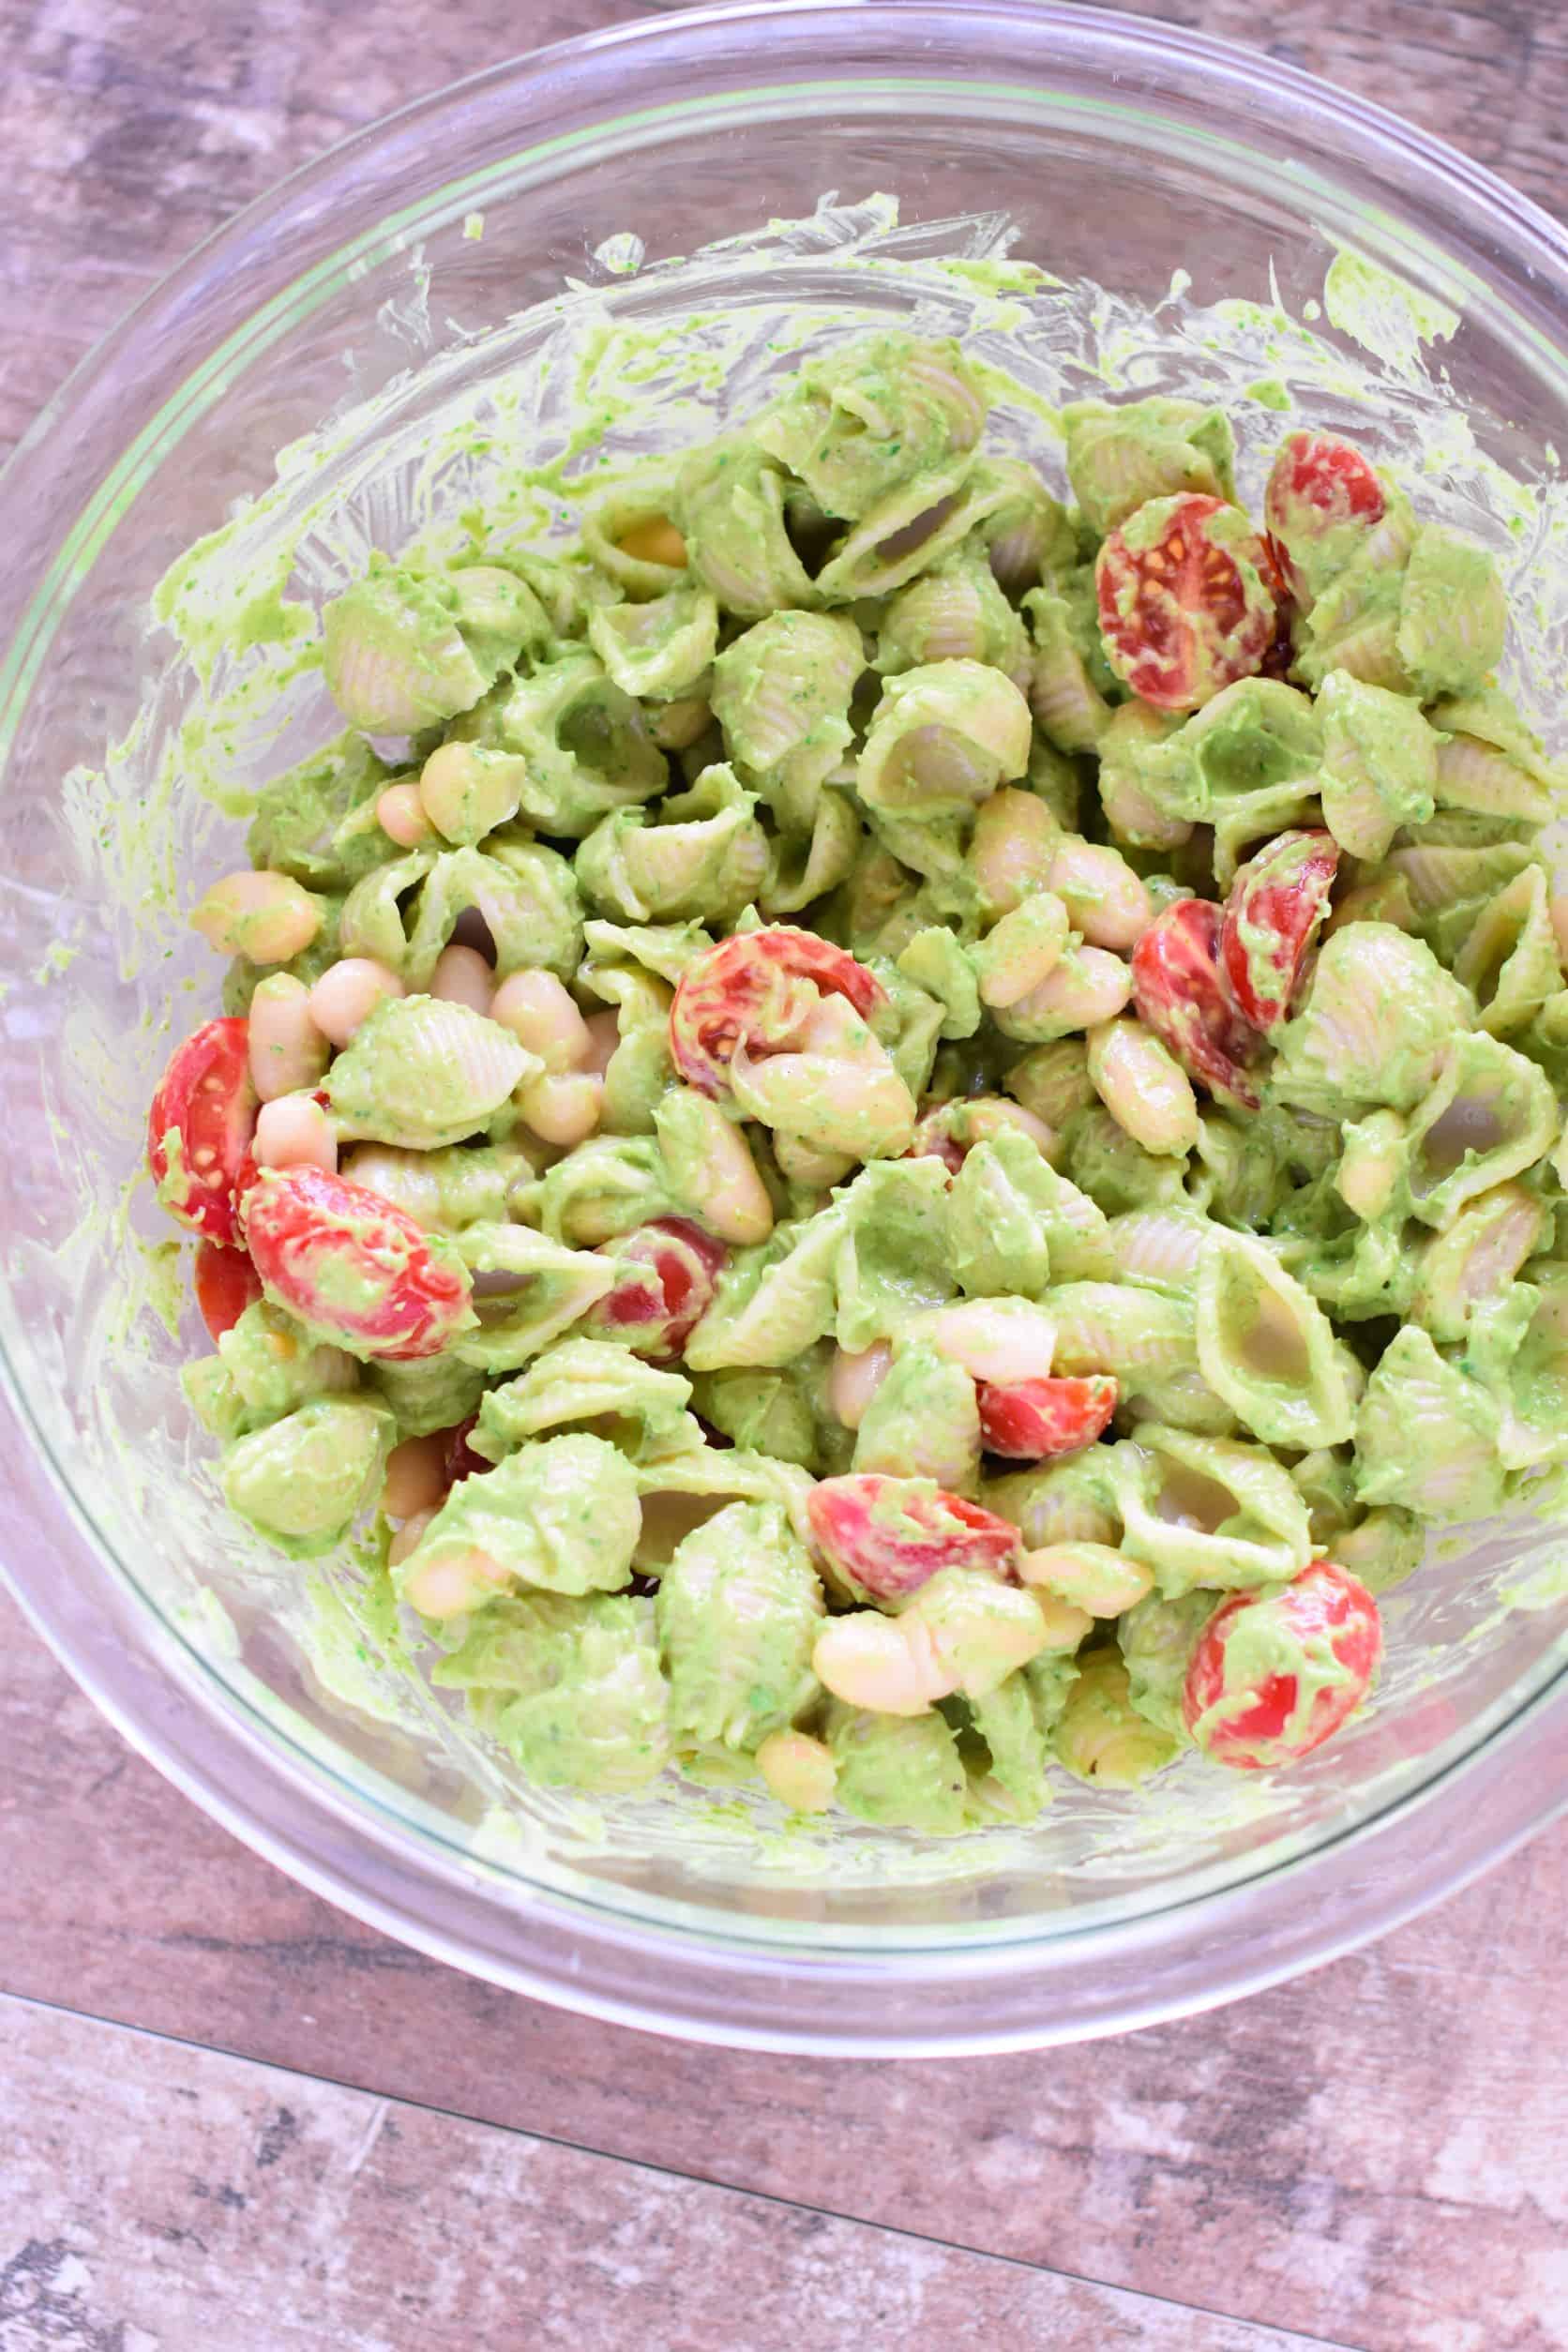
x=672 y=1268
x=353 y=1265
x=758 y=988
x=1181 y=993
x=1025 y=1421
x=1318 y=485
x=459 y=1459
x=225 y=1283
x=1185 y=599
x=1276 y=902
x=1244 y=1701
x=206 y=1098
x=885 y=1537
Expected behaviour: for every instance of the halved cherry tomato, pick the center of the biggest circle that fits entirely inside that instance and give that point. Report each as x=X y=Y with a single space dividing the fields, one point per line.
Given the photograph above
x=1026 y=1420
x=459 y=1459
x=205 y=1098
x=885 y=1537
x=1185 y=599
x=672 y=1268
x=1260 y=1717
x=758 y=988
x=1318 y=484
x=1276 y=903
x=225 y=1283
x=1181 y=993
x=354 y=1265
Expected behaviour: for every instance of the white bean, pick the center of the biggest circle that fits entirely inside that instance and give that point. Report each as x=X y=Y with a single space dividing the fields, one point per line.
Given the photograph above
x=1088 y=987
x=990 y=1115
x=675 y=726
x=264 y=916
x=799 y=1770
x=1146 y=1092
x=562 y=1108
x=884 y=1664
x=1091 y=1577
x=466 y=792
x=288 y=1052
x=1014 y=842
x=854 y=1377
x=400 y=814
x=542 y=1015
x=604 y=1035
x=720 y=1185
x=804 y=1163
x=408 y=1537
x=1371 y=1163
x=347 y=994
x=1001 y=1340
x=415 y=1477
x=1022 y=949
x=1108 y=902
x=1064 y=1622
x=462 y=977
x=294 y=1131
x=455 y=1578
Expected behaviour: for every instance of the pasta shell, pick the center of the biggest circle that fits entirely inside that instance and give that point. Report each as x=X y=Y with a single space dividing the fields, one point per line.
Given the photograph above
x=1267 y=1347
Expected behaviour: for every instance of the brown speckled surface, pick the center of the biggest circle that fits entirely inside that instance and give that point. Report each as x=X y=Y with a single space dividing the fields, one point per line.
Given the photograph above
x=1371 y=2158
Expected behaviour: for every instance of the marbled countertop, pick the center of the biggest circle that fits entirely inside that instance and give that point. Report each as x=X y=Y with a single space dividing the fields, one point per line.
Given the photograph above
x=233 y=2120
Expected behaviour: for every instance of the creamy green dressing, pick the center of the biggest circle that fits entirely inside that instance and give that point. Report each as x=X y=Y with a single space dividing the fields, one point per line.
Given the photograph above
x=248 y=630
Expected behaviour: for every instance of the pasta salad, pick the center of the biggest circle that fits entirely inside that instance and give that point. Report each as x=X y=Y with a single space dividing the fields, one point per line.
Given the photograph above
x=902 y=1133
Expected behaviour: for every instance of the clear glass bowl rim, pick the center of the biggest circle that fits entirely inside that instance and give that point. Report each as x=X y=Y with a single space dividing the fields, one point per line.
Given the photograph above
x=1187 y=1956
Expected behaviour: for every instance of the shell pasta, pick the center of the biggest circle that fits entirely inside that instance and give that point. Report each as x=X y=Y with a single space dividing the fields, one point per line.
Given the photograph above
x=903 y=1131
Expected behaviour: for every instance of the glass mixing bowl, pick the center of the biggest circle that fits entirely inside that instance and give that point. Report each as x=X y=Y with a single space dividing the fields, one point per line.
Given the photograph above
x=360 y=294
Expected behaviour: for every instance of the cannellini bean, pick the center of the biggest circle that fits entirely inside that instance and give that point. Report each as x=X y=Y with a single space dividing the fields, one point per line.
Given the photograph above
x=294 y=1131
x=288 y=1052
x=1001 y=1340
x=1107 y=902
x=1131 y=813
x=604 y=1035
x=1093 y=1578
x=347 y=994
x=980 y=1629
x=675 y=726
x=400 y=814
x=655 y=540
x=884 y=1664
x=1088 y=987
x=990 y=1115
x=466 y=792
x=266 y=916
x=799 y=1770
x=722 y=1188
x=1372 y=1161
x=462 y=977
x=1022 y=948
x=453 y=1578
x=1014 y=842
x=802 y=1163
x=541 y=1014
x=415 y=1477
x=564 y=1107
x=854 y=1377
x=1145 y=1090
x=1066 y=1624
x=407 y=1537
